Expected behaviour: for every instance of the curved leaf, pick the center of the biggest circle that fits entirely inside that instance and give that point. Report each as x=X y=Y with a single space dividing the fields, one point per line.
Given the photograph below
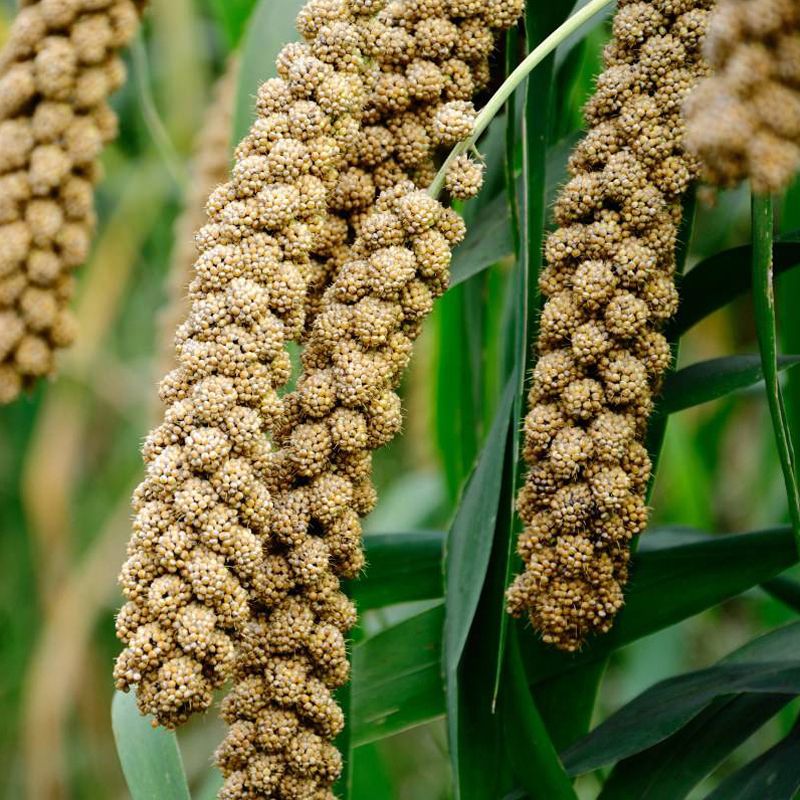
x=535 y=760
x=721 y=278
x=488 y=242
x=490 y=238
x=469 y=543
x=397 y=682
x=773 y=776
x=768 y=665
x=468 y=552
x=150 y=758
x=710 y=380
x=786 y=590
x=668 y=706
x=670 y=770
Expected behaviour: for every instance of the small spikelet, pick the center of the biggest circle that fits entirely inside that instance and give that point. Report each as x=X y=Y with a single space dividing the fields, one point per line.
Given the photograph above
x=609 y=288
x=464 y=178
x=744 y=120
x=58 y=68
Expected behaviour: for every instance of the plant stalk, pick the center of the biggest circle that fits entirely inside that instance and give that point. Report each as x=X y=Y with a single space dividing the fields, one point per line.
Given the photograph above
x=498 y=100
x=764 y=301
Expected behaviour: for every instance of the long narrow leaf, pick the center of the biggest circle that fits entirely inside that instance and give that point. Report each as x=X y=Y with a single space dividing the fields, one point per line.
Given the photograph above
x=537 y=112
x=479 y=732
x=150 y=758
x=469 y=548
x=667 y=707
x=397 y=674
x=721 y=278
x=397 y=681
x=784 y=589
x=710 y=380
x=488 y=242
x=773 y=776
x=533 y=756
x=469 y=543
x=670 y=770
x=768 y=665
x=401 y=568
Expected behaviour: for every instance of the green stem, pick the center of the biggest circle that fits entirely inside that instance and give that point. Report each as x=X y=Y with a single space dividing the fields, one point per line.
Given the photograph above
x=764 y=299
x=498 y=100
x=152 y=119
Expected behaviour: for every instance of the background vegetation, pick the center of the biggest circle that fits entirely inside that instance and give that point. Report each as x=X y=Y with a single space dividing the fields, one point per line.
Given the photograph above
x=69 y=456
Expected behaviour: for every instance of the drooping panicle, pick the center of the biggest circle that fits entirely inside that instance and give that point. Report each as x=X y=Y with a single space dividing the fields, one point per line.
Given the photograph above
x=58 y=68
x=203 y=513
x=426 y=61
x=609 y=289
x=281 y=712
x=365 y=310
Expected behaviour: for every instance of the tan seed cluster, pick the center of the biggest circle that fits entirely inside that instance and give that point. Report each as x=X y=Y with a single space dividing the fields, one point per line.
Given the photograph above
x=281 y=712
x=203 y=512
x=609 y=289
x=744 y=120
x=57 y=71
x=424 y=62
x=464 y=178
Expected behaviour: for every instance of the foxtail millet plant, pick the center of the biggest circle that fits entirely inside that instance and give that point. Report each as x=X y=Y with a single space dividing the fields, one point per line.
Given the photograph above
x=57 y=70
x=329 y=235
x=743 y=121
x=609 y=289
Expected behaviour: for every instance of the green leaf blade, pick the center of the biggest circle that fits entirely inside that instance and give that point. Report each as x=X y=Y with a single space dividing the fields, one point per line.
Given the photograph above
x=469 y=548
x=766 y=666
x=670 y=770
x=469 y=543
x=397 y=681
x=716 y=378
x=401 y=568
x=773 y=776
x=721 y=278
x=150 y=757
